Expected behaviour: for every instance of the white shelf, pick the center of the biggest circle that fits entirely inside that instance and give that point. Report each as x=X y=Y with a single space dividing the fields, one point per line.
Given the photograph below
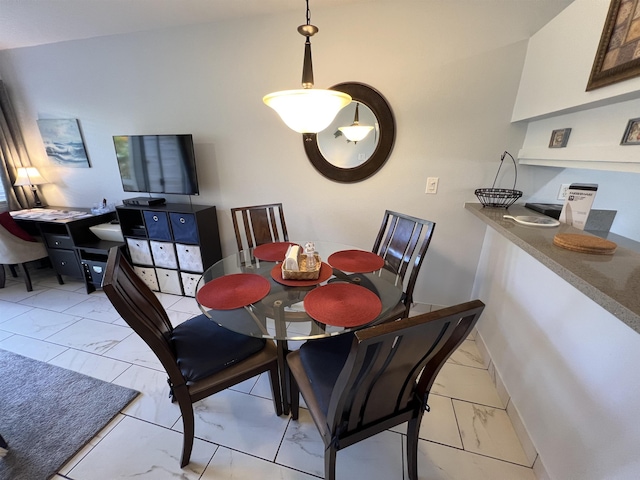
x=619 y=158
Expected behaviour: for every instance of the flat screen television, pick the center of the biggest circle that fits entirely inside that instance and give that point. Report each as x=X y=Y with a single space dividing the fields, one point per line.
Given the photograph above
x=157 y=163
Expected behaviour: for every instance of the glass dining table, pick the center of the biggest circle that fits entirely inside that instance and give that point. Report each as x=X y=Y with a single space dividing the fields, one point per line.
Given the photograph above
x=259 y=302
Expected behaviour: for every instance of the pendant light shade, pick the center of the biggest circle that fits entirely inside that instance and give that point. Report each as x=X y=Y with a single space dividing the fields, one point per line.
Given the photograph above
x=356 y=132
x=307 y=110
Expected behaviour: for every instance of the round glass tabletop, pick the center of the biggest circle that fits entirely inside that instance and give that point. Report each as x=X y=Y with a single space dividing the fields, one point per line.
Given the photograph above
x=281 y=313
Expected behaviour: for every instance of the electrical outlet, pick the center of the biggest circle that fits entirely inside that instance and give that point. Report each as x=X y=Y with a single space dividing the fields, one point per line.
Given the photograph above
x=564 y=188
x=432 y=185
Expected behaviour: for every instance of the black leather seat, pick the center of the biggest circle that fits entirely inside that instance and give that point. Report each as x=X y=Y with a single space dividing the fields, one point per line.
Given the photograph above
x=200 y=357
x=356 y=386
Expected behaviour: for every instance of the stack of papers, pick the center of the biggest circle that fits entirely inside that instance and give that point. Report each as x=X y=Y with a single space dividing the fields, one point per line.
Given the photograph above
x=48 y=215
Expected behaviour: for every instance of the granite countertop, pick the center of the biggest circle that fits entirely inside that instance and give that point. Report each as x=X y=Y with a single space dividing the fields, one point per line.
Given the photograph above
x=612 y=281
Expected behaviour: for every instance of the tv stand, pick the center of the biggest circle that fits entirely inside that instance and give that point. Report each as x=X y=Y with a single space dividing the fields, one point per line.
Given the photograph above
x=145 y=201
x=171 y=245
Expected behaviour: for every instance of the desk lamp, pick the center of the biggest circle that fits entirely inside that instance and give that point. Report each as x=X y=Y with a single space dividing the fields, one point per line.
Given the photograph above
x=30 y=176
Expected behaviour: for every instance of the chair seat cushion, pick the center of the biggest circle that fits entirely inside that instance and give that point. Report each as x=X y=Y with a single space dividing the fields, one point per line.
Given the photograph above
x=203 y=347
x=323 y=361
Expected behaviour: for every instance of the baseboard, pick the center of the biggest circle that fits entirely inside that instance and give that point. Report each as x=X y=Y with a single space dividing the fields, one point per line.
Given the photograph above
x=511 y=408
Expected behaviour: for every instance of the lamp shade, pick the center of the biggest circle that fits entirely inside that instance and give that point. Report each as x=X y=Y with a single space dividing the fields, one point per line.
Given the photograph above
x=307 y=110
x=29 y=176
x=355 y=133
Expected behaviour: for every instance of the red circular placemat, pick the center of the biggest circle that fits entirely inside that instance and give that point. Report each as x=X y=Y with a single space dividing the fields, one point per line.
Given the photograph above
x=233 y=291
x=325 y=274
x=342 y=305
x=356 y=261
x=272 y=252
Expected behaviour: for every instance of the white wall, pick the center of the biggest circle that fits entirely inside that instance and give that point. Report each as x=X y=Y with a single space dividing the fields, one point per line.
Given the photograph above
x=559 y=61
x=569 y=366
x=449 y=69
x=552 y=95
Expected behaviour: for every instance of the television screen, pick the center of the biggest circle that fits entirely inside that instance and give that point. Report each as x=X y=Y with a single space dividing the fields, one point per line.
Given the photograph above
x=157 y=163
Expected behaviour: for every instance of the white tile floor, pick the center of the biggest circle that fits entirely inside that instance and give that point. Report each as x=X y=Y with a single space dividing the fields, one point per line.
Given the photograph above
x=466 y=436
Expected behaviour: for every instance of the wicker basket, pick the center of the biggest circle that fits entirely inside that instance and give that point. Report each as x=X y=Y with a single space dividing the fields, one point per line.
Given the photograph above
x=303 y=273
x=500 y=197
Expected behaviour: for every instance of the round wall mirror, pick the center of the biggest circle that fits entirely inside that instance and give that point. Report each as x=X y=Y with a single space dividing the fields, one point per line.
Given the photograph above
x=337 y=157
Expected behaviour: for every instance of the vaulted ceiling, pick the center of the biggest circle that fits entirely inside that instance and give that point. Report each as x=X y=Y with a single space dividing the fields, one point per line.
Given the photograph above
x=26 y=23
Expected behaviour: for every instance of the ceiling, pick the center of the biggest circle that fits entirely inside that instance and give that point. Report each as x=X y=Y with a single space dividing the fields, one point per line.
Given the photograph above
x=25 y=23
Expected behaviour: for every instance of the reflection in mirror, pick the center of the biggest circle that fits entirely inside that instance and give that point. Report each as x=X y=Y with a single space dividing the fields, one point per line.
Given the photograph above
x=347 y=161
x=338 y=149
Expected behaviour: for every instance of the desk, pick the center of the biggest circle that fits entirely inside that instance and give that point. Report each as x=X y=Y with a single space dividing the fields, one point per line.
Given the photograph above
x=281 y=314
x=73 y=249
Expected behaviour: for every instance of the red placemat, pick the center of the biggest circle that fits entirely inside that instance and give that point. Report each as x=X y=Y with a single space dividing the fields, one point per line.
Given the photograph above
x=325 y=274
x=272 y=252
x=342 y=305
x=233 y=291
x=356 y=261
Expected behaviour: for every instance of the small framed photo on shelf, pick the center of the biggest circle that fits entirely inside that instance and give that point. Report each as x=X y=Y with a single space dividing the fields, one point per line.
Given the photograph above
x=632 y=133
x=559 y=138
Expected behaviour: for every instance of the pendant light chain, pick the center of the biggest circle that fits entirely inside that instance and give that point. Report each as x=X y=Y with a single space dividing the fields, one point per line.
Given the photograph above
x=308 y=14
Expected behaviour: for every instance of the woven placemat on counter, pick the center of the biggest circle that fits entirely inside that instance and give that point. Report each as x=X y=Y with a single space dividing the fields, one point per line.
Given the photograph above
x=584 y=243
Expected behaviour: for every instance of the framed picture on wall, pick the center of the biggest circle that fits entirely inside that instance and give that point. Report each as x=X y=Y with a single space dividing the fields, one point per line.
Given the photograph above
x=559 y=138
x=618 y=54
x=63 y=142
x=632 y=133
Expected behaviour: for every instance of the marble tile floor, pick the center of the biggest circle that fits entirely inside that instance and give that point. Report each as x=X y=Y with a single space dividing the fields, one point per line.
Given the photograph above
x=466 y=436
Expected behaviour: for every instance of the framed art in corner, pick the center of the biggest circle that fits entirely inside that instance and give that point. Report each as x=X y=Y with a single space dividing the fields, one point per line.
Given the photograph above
x=559 y=138
x=63 y=142
x=618 y=54
x=632 y=133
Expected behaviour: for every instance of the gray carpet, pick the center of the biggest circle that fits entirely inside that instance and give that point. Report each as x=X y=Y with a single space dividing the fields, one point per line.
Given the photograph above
x=48 y=413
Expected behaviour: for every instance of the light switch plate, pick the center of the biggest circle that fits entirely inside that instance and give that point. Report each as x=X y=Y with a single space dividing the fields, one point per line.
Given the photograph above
x=432 y=185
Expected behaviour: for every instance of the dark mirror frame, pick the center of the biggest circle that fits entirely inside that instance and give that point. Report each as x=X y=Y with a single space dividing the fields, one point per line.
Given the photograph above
x=378 y=104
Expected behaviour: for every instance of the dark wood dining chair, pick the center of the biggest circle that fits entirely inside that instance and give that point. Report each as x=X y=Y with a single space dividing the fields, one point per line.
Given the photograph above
x=259 y=224
x=403 y=241
x=200 y=357
x=356 y=386
x=4 y=448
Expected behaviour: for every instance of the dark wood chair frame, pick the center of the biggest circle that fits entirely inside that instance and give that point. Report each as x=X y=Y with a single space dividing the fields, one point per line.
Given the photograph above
x=403 y=241
x=385 y=381
x=262 y=224
x=144 y=313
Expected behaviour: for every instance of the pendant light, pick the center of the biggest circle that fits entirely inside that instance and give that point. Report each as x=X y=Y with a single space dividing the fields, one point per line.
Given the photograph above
x=307 y=110
x=356 y=132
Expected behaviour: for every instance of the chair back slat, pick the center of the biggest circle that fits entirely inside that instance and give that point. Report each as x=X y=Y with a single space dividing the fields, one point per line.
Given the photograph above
x=141 y=309
x=262 y=224
x=403 y=241
x=391 y=367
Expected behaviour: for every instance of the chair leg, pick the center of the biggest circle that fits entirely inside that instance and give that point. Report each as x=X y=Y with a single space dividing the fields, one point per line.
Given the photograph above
x=413 y=430
x=27 y=278
x=59 y=277
x=295 y=396
x=14 y=272
x=274 y=380
x=330 y=463
x=3 y=276
x=188 y=423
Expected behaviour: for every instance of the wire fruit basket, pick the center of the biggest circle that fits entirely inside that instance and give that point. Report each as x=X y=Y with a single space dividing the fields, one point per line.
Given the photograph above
x=500 y=197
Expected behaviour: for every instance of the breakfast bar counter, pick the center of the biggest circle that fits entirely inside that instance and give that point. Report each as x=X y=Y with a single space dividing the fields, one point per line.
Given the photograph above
x=560 y=331
x=612 y=281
